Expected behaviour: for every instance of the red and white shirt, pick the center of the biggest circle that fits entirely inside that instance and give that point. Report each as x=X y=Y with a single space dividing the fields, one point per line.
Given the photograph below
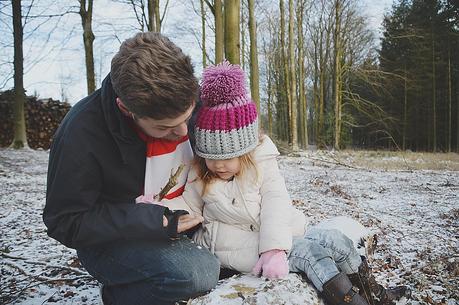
x=164 y=158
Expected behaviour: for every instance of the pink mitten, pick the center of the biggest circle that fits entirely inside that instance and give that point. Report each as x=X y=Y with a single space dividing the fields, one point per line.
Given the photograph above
x=148 y=199
x=273 y=264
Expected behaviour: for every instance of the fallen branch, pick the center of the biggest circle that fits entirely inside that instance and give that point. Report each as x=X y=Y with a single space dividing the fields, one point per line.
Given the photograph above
x=336 y=162
x=45 y=278
x=37 y=277
x=74 y=270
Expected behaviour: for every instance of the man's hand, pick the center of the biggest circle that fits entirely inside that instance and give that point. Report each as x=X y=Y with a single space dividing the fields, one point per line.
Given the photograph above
x=185 y=222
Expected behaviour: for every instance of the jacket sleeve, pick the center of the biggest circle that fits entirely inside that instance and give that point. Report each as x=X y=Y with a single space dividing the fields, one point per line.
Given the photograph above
x=276 y=207
x=77 y=215
x=190 y=200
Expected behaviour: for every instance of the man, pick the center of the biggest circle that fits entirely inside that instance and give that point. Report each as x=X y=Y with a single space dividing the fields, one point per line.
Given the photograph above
x=125 y=142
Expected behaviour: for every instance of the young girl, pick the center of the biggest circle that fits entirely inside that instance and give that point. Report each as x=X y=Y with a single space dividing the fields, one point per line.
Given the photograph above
x=249 y=222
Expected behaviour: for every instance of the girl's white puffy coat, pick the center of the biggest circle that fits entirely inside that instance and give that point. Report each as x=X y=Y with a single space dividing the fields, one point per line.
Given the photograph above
x=246 y=216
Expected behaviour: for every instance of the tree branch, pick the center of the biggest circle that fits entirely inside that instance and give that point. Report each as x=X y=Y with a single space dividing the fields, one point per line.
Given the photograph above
x=74 y=270
x=212 y=9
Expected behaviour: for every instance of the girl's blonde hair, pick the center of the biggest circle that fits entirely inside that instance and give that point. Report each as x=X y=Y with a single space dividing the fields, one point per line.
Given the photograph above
x=207 y=177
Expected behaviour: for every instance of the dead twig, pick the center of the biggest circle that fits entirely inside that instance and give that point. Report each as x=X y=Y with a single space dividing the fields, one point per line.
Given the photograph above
x=171 y=183
x=45 y=278
x=74 y=270
x=41 y=280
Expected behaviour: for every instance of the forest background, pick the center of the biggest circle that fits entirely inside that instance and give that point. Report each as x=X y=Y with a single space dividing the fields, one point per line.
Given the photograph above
x=317 y=71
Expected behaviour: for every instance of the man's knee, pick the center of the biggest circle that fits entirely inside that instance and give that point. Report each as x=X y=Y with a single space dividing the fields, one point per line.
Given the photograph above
x=182 y=282
x=166 y=271
x=202 y=274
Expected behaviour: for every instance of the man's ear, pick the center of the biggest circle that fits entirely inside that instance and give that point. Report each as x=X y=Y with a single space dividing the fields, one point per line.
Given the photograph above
x=122 y=107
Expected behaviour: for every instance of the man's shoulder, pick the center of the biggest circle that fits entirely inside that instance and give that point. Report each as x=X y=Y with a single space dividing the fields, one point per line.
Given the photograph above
x=85 y=114
x=84 y=124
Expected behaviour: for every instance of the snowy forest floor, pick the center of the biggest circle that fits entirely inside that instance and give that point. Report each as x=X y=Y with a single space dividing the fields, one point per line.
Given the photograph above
x=410 y=200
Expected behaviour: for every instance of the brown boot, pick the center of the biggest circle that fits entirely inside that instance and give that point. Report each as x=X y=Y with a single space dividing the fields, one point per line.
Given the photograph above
x=339 y=291
x=374 y=293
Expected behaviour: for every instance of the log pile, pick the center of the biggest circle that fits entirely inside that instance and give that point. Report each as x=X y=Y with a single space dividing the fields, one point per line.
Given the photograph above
x=42 y=116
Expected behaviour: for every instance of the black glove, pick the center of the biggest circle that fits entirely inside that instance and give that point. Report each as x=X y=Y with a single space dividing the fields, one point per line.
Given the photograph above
x=172 y=221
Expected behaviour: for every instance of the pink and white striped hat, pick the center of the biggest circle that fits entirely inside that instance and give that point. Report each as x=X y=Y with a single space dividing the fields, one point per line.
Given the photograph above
x=227 y=124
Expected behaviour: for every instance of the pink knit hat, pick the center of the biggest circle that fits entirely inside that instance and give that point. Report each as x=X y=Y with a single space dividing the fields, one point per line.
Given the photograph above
x=226 y=125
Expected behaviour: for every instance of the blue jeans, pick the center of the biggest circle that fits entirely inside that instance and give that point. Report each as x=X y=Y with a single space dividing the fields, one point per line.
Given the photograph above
x=322 y=254
x=158 y=272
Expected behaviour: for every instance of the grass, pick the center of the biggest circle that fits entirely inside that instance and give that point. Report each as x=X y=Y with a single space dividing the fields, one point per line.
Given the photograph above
x=392 y=160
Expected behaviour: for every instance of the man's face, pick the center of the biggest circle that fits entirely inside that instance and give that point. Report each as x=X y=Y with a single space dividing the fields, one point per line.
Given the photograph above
x=168 y=129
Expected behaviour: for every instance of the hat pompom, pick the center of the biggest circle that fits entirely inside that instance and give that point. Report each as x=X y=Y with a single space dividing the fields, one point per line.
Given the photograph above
x=222 y=83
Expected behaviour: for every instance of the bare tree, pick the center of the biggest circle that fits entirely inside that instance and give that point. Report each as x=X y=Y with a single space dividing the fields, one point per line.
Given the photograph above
x=20 y=137
x=158 y=18
x=254 y=72
x=449 y=138
x=269 y=54
x=320 y=31
x=434 y=92
x=338 y=51
x=219 y=32
x=405 y=107
x=303 y=113
x=148 y=13
x=24 y=24
x=217 y=10
x=151 y=8
x=88 y=40
x=203 y=34
x=243 y=22
x=285 y=66
x=232 y=20
x=292 y=71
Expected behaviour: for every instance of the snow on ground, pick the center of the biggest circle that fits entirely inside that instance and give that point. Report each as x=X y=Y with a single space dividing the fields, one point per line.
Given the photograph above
x=415 y=214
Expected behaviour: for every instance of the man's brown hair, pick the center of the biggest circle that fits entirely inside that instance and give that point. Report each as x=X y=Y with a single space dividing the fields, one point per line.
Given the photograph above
x=153 y=78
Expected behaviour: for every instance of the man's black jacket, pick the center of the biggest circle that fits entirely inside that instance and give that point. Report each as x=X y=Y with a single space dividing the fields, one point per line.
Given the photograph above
x=96 y=170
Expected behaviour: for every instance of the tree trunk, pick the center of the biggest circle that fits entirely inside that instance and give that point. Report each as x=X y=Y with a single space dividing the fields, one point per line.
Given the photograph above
x=285 y=68
x=322 y=88
x=203 y=35
x=457 y=116
x=157 y=17
x=20 y=137
x=301 y=83
x=405 y=108
x=219 y=32
x=270 y=112
x=242 y=23
x=337 y=80
x=269 y=85
x=151 y=16
x=232 y=18
x=434 y=96
x=449 y=139
x=254 y=72
x=293 y=118
x=88 y=39
x=324 y=49
x=315 y=94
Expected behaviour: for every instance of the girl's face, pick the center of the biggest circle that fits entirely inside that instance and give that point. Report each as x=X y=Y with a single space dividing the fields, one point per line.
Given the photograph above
x=224 y=169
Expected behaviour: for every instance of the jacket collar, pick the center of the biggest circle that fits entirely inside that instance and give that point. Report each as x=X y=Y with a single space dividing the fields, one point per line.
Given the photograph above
x=124 y=135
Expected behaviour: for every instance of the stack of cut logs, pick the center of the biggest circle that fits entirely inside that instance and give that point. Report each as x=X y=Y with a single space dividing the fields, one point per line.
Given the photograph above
x=42 y=116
